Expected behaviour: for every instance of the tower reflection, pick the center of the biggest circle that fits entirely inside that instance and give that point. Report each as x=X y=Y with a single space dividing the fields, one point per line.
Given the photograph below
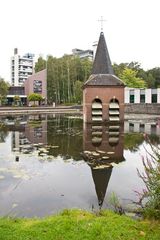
x=102 y=150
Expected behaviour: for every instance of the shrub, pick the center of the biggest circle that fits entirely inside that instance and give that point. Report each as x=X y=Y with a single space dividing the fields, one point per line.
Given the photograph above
x=151 y=178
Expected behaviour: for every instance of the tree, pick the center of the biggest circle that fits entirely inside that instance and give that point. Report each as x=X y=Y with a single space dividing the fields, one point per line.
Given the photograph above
x=16 y=100
x=78 y=91
x=3 y=132
x=129 y=77
x=52 y=79
x=62 y=76
x=40 y=64
x=151 y=77
x=119 y=68
x=35 y=97
x=3 y=89
x=132 y=141
x=150 y=80
x=86 y=69
x=155 y=77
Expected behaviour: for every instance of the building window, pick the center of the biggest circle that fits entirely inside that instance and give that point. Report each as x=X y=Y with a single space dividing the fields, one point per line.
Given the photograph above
x=131 y=127
x=154 y=98
x=154 y=95
x=37 y=86
x=141 y=128
x=131 y=97
x=153 y=129
x=38 y=132
x=142 y=96
x=131 y=100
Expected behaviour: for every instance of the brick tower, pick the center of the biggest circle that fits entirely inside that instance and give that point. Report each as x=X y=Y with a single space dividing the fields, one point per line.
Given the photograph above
x=103 y=92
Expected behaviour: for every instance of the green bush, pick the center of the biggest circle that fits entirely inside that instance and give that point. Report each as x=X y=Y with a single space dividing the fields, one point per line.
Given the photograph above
x=151 y=178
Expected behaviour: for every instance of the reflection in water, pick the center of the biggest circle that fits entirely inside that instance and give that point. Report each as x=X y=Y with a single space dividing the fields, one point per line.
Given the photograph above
x=3 y=132
x=42 y=170
x=57 y=133
x=103 y=149
x=50 y=135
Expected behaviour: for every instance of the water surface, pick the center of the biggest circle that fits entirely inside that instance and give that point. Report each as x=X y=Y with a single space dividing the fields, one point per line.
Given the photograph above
x=52 y=162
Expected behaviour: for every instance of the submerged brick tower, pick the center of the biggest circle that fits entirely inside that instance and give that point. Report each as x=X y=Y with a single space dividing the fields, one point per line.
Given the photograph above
x=103 y=92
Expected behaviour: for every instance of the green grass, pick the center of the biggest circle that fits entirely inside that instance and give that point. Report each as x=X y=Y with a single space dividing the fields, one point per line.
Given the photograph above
x=79 y=225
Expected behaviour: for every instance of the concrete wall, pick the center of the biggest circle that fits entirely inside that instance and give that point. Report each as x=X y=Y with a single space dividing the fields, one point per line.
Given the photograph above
x=141 y=108
x=149 y=128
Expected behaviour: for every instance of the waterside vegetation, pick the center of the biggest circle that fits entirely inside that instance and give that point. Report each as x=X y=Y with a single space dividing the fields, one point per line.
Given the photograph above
x=151 y=179
x=78 y=224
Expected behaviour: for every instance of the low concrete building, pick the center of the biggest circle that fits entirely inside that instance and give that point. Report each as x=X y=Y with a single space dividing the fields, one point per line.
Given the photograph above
x=138 y=95
x=16 y=96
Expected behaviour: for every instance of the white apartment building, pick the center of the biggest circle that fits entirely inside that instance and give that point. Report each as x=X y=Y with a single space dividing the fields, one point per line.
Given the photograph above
x=83 y=53
x=21 y=68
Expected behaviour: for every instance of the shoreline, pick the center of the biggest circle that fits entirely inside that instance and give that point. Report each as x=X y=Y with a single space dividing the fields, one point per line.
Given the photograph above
x=77 y=109
x=4 y=111
x=79 y=224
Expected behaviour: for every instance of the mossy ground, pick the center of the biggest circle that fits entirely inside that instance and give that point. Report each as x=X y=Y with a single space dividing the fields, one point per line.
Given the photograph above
x=78 y=225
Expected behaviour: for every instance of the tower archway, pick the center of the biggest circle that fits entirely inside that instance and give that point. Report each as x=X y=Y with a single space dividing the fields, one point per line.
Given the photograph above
x=114 y=111
x=97 y=110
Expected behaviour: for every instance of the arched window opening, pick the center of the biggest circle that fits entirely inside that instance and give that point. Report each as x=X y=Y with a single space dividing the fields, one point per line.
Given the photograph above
x=113 y=135
x=114 y=110
x=96 y=137
x=97 y=110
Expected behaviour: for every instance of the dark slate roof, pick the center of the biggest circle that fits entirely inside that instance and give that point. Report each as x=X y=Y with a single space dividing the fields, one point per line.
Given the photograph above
x=103 y=80
x=102 y=63
x=102 y=72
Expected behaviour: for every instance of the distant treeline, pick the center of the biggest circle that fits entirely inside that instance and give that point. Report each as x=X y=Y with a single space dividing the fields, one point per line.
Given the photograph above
x=66 y=75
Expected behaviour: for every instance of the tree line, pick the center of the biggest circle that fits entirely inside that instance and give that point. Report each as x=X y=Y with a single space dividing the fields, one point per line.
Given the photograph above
x=66 y=75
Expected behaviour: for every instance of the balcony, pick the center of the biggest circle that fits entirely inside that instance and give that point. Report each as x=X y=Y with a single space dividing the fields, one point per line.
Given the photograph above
x=26 y=63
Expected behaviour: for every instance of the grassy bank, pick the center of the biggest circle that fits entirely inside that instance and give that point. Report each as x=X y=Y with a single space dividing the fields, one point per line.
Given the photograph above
x=76 y=224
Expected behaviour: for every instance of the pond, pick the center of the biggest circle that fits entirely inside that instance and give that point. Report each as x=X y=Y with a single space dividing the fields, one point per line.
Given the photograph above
x=52 y=162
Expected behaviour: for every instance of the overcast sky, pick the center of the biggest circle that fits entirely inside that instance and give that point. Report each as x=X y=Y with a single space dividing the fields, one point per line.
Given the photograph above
x=132 y=29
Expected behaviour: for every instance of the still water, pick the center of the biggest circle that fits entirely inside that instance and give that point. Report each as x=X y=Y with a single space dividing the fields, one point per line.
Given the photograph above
x=52 y=162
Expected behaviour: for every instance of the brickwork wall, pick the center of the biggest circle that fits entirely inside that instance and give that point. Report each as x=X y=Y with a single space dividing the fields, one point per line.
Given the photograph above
x=29 y=83
x=105 y=94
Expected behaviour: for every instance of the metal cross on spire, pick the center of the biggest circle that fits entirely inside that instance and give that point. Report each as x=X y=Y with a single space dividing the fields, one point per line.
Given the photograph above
x=101 y=20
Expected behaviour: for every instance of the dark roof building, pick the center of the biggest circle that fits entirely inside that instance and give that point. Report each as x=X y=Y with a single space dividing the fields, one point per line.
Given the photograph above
x=102 y=72
x=103 y=92
x=102 y=62
x=103 y=80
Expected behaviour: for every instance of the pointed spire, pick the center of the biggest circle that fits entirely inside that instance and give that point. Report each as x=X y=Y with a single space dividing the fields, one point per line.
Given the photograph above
x=101 y=179
x=102 y=62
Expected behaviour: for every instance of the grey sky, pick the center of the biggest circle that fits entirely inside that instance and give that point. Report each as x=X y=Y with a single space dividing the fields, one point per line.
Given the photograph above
x=57 y=26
